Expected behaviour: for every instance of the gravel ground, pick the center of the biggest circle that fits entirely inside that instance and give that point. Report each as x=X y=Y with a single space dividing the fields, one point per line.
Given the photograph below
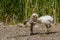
x=14 y=32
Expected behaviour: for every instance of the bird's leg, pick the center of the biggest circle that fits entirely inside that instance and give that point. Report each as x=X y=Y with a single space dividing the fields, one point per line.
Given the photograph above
x=47 y=27
x=31 y=28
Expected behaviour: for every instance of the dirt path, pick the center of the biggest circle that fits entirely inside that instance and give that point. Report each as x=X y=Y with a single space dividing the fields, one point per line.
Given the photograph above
x=13 y=32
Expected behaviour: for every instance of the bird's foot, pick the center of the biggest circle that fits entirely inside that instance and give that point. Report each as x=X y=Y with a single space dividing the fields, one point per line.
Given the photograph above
x=31 y=33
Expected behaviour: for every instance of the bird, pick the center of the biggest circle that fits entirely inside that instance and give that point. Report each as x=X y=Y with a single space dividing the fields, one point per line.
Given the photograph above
x=30 y=22
x=46 y=20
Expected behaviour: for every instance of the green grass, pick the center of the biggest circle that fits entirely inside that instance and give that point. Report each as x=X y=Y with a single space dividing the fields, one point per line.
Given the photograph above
x=15 y=11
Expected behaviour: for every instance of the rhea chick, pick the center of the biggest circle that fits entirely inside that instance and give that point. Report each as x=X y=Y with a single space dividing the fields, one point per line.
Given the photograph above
x=31 y=22
x=46 y=20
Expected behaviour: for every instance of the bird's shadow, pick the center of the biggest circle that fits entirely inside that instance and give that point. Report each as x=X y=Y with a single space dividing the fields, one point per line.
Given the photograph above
x=34 y=33
x=51 y=33
x=43 y=33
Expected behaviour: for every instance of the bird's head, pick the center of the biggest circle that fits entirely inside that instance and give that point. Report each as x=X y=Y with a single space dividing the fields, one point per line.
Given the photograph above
x=34 y=16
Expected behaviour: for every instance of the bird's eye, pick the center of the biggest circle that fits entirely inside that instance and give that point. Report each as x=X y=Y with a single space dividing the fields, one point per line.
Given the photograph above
x=33 y=16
